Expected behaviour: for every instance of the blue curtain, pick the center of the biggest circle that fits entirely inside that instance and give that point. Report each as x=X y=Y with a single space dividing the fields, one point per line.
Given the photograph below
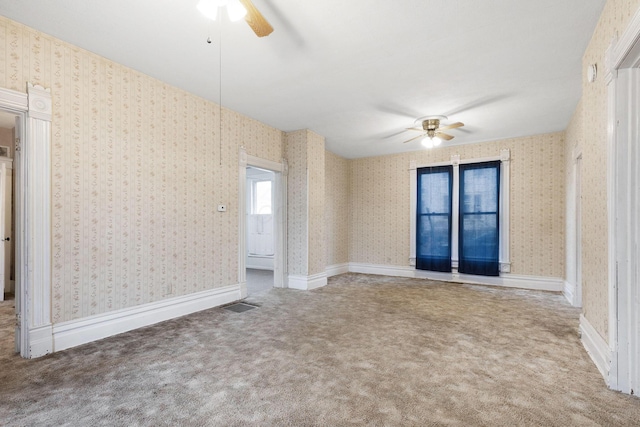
x=479 y=207
x=433 y=225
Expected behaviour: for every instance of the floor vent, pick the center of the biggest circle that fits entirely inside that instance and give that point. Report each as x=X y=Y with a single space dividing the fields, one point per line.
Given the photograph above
x=239 y=307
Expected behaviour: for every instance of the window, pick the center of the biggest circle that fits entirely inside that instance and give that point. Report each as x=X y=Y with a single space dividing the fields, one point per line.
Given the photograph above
x=434 y=218
x=479 y=219
x=460 y=216
x=261 y=197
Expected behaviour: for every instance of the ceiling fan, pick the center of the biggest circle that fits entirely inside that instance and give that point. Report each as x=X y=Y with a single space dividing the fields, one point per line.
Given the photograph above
x=432 y=131
x=236 y=10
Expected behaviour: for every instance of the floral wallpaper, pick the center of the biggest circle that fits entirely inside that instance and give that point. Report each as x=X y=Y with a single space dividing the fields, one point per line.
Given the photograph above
x=137 y=172
x=305 y=153
x=316 y=201
x=592 y=134
x=297 y=215
x=380 y=215
x=336 y=209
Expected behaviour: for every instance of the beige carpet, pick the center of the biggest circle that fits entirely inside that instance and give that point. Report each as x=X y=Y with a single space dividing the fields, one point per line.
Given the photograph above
x=364 y=350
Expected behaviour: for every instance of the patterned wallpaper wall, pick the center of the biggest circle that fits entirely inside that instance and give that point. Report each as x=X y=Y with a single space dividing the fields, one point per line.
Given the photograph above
x=295 y=150
x=336 y=209
x=614 y=19
x=316 y=176
x=137 y=172
x=380 y=215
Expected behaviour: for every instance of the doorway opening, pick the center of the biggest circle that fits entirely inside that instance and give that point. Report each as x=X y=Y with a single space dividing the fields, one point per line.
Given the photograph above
x=8 y=344
x=277 y=175
x=260 y=225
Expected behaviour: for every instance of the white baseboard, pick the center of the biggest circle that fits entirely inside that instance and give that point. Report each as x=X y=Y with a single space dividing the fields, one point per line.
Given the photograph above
x=334 y=270
x=568 y=292
x=76 y=332
x=40 y=342
x=596 y=347
x=259 y=262
x=505 y=279
x=306 y=283
x=384 y=270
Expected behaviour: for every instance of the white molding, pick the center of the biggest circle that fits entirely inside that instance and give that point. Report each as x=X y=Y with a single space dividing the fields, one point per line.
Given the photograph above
x=596 y=347
x=554 y=284
x=626 y=50
x=611 y=81
x=40 y=341
x=13 y=101
x=622 y=59
x=279 y=218
x=307 y=283
x=568 y=292
x=336 y=269
x=261 y=163
x=382 y=270
x=39 y=102
x=413 y=208
x=77 y=332
x=505 y=214
x=260 y=262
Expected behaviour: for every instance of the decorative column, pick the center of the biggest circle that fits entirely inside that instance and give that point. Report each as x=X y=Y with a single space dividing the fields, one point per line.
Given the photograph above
x=35 y=223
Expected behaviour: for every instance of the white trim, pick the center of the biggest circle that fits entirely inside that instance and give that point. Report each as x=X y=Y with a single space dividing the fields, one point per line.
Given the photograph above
x=40 y=341
x=568 y=292
x=307 y=283
x=257 y=262
x=3 y=186
x=554 y=284
x=596 y=347
x=32 y=202
x=13 y=101
x=336 y=269
x=626 y=50
x=382 y=270
x=622 y=77
x=279 y=217
x=77 y=332
x=413 y=208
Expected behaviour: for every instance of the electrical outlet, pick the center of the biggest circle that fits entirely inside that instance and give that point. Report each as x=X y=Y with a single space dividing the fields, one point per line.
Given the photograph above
x=222 y=208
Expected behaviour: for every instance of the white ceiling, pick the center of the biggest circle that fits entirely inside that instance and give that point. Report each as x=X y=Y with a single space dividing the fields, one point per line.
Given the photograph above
x=357 y=72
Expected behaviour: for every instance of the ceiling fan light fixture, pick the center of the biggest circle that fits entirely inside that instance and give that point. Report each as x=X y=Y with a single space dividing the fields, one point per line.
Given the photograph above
x=427 y=142
x=436 y=141
x=235 y=10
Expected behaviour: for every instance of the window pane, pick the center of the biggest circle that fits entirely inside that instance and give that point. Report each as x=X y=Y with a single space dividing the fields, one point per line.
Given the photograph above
x=480 y=237
x=434 y=193
x=263 y=197
x=480 y=193
x=434 y=236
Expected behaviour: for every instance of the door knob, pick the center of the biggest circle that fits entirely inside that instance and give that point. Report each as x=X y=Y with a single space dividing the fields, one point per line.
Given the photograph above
x=6 y=239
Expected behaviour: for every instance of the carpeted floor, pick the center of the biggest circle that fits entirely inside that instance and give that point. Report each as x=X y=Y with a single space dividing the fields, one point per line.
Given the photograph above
x=364 y=350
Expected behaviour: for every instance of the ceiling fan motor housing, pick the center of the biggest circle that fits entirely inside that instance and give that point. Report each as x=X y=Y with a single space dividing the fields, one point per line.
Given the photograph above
x=430 y=124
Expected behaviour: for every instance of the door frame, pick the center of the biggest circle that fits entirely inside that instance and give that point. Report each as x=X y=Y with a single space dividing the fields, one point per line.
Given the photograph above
x=32 y=192
x=280 y=170
x=623 y=85
x=573 y=282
